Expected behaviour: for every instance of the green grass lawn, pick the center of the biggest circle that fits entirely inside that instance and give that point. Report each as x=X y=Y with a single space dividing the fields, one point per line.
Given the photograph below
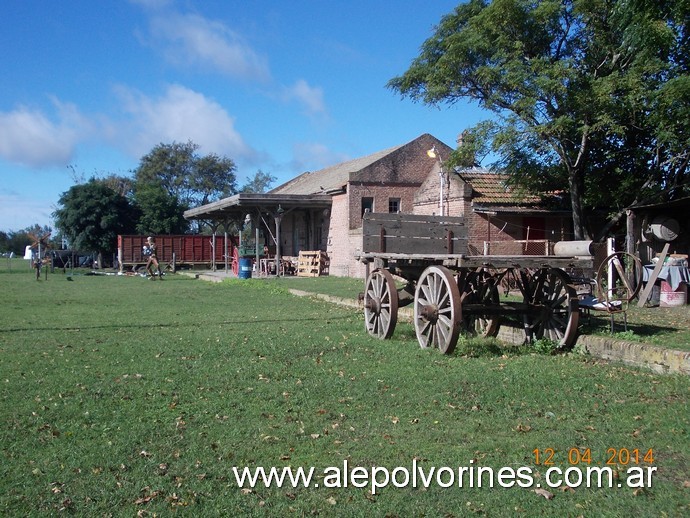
x=123 y=396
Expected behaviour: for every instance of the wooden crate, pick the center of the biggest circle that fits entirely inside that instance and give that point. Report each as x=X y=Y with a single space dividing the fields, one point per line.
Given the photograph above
x=312 y=264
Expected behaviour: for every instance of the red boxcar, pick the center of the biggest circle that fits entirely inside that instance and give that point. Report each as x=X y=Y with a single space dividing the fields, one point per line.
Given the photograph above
x=176 y=251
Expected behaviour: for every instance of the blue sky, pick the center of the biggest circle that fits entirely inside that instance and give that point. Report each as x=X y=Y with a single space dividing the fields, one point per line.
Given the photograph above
x=87 y=88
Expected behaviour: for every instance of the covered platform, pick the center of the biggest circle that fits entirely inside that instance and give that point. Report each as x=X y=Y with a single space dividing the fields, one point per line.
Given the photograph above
x=287 y=222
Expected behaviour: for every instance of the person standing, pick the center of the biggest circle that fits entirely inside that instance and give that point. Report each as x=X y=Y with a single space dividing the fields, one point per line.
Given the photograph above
x=153 y=259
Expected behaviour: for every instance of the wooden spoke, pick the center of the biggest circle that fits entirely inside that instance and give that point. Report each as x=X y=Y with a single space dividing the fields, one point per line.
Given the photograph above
x=619 y=279
x=480 y=289
x=560 y=312
x=380 y=304
x=437 y=309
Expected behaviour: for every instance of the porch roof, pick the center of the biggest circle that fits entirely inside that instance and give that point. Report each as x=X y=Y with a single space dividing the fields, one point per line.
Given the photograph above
x=237 y=206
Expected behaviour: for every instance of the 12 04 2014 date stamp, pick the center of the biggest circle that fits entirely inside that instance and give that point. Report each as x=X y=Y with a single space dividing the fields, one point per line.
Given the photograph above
x=585 y=456
x=611 y=467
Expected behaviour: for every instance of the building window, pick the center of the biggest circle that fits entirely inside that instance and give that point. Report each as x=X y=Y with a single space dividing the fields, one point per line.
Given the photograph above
x=393 y=205
x=367 y=205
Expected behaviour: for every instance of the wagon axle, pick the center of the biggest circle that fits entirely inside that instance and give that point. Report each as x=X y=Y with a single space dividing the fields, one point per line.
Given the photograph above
x=429 y=313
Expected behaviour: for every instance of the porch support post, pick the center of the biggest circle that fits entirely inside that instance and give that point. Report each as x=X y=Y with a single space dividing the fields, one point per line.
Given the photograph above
x=278 y=219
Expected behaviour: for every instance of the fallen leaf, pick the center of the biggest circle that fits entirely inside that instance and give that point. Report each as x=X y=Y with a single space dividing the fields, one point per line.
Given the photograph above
x=315 y=436
x=147 y=498
x=544 y=493
x=331 y=500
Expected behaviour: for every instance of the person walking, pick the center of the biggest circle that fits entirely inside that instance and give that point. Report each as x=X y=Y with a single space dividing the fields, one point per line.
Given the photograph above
x=151 y=251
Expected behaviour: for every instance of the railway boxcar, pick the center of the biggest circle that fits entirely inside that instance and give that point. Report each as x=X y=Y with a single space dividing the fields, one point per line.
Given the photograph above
x=176 y=251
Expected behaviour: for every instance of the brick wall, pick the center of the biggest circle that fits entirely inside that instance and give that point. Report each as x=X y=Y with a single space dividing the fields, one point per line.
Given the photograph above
x=338 y=246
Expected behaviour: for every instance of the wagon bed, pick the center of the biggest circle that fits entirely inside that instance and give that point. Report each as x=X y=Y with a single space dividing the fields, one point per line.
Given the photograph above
x=453 y=291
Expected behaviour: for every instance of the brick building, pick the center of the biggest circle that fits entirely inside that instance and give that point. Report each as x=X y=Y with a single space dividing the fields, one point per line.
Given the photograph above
x=322 y=210
x=386 y=181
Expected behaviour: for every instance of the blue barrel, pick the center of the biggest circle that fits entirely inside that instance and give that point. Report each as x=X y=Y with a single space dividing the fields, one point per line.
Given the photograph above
x=245 y=268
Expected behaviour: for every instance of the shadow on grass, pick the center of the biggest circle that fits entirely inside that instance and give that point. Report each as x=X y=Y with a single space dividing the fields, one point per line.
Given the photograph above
x=601 y=325
x=471 y=346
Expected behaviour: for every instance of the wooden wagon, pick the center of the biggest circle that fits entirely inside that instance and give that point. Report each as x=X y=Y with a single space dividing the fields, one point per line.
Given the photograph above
x=454 y=292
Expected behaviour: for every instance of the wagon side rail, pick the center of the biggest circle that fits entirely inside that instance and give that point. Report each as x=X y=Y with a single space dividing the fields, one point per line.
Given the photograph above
x=384 y=233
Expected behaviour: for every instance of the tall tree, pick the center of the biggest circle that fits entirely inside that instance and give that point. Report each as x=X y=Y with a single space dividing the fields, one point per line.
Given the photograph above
x=589 y=96
x=123 y=185
x=91 y=216
x=160 y=213
x=185 y=175
x=260 y=183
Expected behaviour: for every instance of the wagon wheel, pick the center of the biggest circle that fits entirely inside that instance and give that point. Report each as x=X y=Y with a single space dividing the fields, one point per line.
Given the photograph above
x=560 y=312
x=380 y=304
x=627 y=280
x=235 y=261
x=437 y=309
x=480 y=288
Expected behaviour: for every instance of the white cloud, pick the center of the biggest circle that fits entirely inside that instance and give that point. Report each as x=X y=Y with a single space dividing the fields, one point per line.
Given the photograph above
x=193 y=39
x=309 y=97
x=29 y=137
x=180 y=115
x=189 y=39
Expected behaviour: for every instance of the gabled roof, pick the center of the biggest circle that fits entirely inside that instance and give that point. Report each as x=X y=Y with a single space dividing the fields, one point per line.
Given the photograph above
x=334 y=178
x=331 y=178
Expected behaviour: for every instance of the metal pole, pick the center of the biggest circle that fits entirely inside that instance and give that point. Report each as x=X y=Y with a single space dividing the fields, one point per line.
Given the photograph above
x=440 y=175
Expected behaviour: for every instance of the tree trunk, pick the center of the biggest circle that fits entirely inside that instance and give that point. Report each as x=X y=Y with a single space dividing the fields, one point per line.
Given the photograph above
x=630 y=232
x=576 y=191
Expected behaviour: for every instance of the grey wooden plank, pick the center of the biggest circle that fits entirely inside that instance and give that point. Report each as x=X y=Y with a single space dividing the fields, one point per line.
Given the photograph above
x=396 y=245
x=489 y=261
x=652 y=278
x=390 y=217
x=414 y=229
